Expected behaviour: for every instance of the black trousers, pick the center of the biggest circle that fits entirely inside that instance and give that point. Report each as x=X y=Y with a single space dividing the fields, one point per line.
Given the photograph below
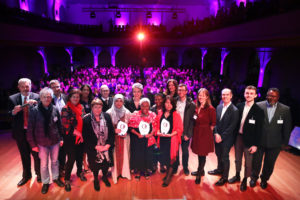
x=62 y=158
x=74 y=153
x=271 y=155
x=222 y=152
x=104 y=166
x=185 y=155
x=25 y=151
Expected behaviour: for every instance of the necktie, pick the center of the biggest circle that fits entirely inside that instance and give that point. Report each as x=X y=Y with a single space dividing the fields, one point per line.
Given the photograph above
x=25 y=113
x=106 y=101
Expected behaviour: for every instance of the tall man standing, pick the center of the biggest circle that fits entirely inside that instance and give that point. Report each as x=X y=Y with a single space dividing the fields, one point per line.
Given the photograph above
x=248 y=134
x=186 y=108
x=277 y=126
x=227 y=119
x=19 y=105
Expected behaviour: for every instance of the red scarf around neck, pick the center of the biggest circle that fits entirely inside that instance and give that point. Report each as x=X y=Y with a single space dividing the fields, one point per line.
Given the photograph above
x=78 y=111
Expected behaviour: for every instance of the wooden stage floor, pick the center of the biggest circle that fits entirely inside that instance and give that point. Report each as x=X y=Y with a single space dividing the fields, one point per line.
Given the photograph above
x=284 y=183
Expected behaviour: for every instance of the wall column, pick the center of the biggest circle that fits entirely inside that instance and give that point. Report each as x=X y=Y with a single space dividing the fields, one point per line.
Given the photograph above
x=113 y=52
x=224 y=54
x=41 y=51
x=264 y=56
x=203 y=53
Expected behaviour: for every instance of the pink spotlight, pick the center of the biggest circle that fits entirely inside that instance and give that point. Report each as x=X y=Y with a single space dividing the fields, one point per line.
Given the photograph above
x=141 y=36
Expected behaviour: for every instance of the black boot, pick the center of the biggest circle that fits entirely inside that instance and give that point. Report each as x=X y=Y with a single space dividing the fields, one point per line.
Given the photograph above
x=168 y=177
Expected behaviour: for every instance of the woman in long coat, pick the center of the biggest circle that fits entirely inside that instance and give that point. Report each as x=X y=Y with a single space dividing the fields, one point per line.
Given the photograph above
x=203 y=140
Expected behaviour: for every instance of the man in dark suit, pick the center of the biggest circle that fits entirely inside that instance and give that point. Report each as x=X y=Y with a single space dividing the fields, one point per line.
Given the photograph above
x=186 y=108
x=19 y=105
x=248 y=133
x=277 y=126
x=105 y=98
x=227 y=119
x=59 y=100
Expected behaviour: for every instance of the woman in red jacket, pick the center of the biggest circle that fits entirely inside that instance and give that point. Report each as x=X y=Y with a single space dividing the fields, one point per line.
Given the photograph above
x=169 y=133
x=203 y=140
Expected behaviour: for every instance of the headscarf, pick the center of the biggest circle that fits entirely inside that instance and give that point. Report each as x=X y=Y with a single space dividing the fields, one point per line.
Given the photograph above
x=117 y=113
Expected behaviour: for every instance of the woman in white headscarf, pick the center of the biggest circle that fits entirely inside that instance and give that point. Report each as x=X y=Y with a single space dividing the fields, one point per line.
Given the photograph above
x=121 y=154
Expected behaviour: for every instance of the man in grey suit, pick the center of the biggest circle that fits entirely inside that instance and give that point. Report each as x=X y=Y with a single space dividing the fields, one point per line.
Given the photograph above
x=276 y=132
x=19 y=105
x=227 y=120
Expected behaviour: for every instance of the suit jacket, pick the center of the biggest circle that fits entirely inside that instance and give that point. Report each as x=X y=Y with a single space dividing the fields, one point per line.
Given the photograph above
x=18 y=119
x=251 y=132
x=226 y=126
x=108 y=105
x=63 y=96
x=275 y=133
x=188 y=121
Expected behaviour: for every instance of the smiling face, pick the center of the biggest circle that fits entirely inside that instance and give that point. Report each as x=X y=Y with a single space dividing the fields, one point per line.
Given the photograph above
x=119 y=103
x=171 y=87
x=105 y=92
x=85 y=91
x=56 y=88
x=182 y=91
x=250 y=95
x=97 y=109
x=145 y=108
x=46 y=99
x=272 y=97
x=158 y=100
x=168 y=105
x=226 y=96
x=24 y=88
x=202 y=98
x=75 y=99
x=137 y=93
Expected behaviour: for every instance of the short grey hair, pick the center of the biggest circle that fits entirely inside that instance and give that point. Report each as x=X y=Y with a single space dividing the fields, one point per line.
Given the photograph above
x=227 y=90
x=45 y=91
x=104 y=87
x=24 y=80
x=137 y=85
x=54 y=81
x=143 y=100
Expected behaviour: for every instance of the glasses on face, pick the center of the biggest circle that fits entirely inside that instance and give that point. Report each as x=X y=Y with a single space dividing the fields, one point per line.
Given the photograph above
x=46 y=97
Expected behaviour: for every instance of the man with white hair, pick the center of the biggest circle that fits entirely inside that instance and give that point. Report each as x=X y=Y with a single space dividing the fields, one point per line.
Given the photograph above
x=105 y=98
x=19 y=105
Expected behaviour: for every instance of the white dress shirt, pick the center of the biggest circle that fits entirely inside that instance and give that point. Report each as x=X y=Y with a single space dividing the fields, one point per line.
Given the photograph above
x=245 y=113
x=224 y=109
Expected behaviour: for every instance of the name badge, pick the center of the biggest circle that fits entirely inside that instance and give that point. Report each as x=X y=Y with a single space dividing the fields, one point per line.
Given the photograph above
x=195 y=117
x=123 y=127
x=164 y=126
x=144 y=128
x=280 y=121
x=55 y=119
x=251 y=121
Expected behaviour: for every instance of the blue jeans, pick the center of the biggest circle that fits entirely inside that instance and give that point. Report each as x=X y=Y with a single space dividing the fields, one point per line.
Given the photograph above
x=44 y=153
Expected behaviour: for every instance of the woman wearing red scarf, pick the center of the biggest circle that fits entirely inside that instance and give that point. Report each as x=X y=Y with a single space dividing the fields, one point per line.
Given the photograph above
x=169 y=133
x=71 y=117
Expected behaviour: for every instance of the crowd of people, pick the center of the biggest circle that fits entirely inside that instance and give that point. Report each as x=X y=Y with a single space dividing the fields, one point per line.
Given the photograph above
x=130 y=136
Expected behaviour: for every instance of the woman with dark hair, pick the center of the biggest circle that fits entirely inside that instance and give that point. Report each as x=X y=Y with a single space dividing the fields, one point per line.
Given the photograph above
x=98 y=133
x=71 y=117
x=86 y=97
x=172 y=87
x=203 y=139
x=169 y=136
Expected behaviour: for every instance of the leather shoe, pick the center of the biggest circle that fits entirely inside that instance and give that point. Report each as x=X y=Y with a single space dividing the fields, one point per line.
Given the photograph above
x=106 y=182
x=59 y=182
x=253 y=182
x=234 y=179
x=186 y=172
x=45 y=188
x=96 y=185
x=215 y=172
x=23 y=181
x=243 y=186
x=67 y=186
x=195 y=173
x=221 y=182
x=263 y=184
x=39 y=179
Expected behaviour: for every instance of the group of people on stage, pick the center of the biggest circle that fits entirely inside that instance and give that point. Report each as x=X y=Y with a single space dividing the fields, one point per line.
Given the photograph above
x=130 y=136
